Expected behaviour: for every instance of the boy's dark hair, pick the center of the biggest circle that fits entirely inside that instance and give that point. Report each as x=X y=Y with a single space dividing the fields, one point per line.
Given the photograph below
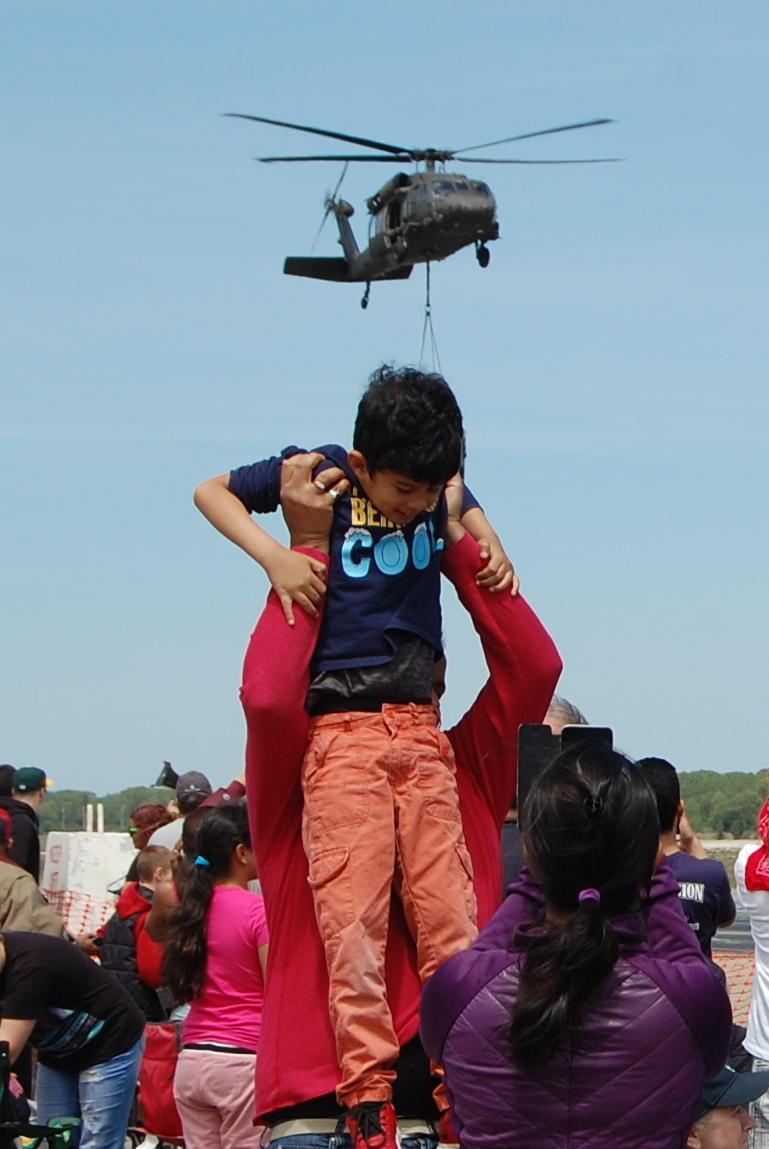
x=409 y=421
x=6 y=780
x=663 y=779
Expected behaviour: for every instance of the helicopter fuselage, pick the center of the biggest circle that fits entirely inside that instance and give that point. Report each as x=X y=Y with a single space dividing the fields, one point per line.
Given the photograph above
x=429 y=216
x=414 y=219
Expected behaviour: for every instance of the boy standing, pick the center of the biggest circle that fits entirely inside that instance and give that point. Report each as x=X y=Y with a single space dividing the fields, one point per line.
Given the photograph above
x=378 y=775
x=123 y=940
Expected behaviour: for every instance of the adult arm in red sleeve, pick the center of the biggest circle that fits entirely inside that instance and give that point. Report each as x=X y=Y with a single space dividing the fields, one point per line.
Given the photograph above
x=524 y=667
x=276 y=671
x=276 y=675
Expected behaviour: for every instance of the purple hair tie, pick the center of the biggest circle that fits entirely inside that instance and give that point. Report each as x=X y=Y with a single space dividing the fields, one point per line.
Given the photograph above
x=589 y=895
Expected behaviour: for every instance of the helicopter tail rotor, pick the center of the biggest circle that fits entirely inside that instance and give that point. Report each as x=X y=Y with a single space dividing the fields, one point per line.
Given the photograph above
x=329 y=203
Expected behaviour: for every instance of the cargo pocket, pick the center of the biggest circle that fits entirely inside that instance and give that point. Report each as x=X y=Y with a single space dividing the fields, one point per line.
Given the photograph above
x=329 y=880
x=466 y=862
x=444 y=811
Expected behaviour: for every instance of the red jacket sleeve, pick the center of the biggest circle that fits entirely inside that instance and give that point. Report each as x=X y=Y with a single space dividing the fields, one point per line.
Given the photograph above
x=524 y=667
x=149 y=955
x=276 y=678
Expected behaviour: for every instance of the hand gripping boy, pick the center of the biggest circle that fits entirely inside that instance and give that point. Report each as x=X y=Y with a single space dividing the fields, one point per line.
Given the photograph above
x=380 y=800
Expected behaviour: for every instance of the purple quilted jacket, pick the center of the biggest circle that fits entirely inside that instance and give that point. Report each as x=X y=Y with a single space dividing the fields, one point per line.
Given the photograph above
x=658 y=1029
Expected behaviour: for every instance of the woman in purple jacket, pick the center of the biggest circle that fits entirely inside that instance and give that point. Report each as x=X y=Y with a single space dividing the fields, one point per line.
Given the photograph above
x=585 y=1015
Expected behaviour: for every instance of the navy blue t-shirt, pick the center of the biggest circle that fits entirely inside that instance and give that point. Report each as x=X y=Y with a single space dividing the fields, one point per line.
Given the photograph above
x=383 y=578
x=704 y=893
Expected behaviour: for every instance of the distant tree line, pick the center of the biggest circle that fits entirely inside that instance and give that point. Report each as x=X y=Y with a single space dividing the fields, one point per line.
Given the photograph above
x=724 y=805
x=65 y=809
x=719 y=805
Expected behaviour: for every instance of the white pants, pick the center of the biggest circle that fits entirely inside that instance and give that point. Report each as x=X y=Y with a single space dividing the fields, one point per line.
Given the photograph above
x=759 y=1111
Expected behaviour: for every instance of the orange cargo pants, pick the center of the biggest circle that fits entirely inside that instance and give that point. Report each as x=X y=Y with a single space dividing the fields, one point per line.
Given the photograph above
x=381 y=810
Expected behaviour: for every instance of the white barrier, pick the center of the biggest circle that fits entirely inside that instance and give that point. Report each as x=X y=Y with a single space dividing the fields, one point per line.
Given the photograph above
x=79 y=870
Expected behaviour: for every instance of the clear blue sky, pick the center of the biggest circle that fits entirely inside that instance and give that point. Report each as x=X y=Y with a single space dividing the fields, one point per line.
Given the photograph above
x=611 y=362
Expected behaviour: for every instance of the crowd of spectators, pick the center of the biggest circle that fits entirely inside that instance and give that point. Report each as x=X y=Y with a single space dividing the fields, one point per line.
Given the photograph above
x=213 y=953
x=586 y=1013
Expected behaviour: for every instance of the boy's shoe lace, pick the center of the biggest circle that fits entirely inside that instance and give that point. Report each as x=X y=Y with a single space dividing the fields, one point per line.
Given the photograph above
x=373 y=1125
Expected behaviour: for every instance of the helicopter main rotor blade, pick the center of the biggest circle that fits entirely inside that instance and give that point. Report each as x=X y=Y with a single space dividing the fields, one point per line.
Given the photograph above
x=531 y=135
x=400 y=158
x=377 y=144
x=488 y=160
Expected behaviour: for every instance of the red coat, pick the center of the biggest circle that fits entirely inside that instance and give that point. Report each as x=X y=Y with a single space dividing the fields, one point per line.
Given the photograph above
x=297 y=1056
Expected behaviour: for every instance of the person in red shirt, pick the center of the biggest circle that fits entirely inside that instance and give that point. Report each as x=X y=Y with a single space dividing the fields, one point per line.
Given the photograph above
x=298 y=1067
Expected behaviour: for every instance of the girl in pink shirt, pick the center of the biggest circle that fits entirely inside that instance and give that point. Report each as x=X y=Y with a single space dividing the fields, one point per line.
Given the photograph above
x=216 y=957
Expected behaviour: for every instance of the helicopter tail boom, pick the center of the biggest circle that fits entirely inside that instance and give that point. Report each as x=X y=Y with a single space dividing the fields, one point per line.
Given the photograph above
x=339 y=270
x=310 y=267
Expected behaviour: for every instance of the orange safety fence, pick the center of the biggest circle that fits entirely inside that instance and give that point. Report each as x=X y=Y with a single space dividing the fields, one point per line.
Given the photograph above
x=739 y=968
x=82 y=913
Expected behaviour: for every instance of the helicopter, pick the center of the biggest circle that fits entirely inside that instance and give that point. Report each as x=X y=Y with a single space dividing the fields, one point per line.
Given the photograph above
x=414 y=218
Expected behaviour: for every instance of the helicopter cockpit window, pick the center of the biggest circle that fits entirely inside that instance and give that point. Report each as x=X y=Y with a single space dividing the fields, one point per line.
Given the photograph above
x=442 y=187
x=482 y=189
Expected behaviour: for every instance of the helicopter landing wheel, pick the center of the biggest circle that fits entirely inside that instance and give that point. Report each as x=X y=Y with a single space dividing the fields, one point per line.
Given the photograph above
x=482 y=254
x=366 y=293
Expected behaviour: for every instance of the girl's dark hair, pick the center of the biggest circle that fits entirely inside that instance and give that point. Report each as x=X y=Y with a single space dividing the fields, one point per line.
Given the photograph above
x=590 y=824
x=219 y=832
x=189 y=840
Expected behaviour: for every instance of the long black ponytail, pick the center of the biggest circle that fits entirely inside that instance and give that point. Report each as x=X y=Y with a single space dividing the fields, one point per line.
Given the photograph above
x=220 y=832
x=591 y=836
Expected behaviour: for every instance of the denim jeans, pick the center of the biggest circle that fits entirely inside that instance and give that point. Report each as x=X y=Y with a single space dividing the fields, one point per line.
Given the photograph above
x=100 y=1096
x=331 y=1141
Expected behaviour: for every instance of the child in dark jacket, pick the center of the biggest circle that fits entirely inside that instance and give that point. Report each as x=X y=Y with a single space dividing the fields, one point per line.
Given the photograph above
x=125 y=948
